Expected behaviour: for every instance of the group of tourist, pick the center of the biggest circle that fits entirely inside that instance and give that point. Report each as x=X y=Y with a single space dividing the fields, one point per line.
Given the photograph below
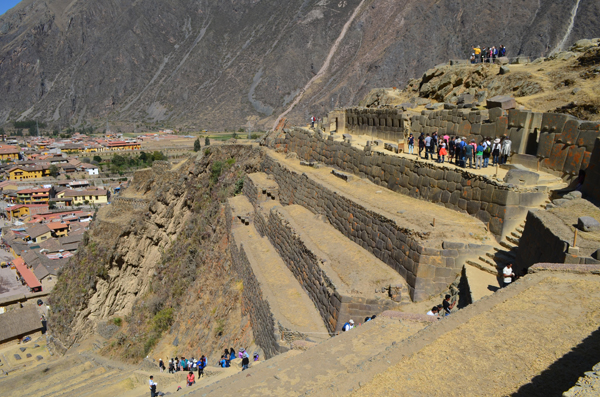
x=487 y=54
x=229 y=356
x=350 y=324
x=192 y=365
x=443 y=309
x=460 y=152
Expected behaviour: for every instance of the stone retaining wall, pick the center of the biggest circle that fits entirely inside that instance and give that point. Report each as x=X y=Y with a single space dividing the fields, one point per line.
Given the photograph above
x=541 y=242
x=428 y=271
x=501 y=208
x=253 y=303
x=130 y=204
x=562 y=143
x=305 y=266
x=379 y=123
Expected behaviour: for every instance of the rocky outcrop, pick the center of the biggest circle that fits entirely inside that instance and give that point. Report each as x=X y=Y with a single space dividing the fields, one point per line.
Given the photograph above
x=143 y=257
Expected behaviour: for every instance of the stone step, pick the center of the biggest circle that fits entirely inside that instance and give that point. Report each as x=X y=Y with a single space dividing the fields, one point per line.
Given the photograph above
x=503 y=257
x=507 y=245
x=482 y=266
x=516 y=235
x=513 y=240
x=485 y=260
x=520 y=230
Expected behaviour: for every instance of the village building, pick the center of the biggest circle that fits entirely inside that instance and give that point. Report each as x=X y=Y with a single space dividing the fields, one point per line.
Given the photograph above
x=38 y=233
x=21 y=173
x=9 y=152
x=19 y=323
x=24 y=210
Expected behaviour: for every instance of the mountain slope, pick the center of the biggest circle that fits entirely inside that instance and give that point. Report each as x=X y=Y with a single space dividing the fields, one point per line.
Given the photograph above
x=213 y=64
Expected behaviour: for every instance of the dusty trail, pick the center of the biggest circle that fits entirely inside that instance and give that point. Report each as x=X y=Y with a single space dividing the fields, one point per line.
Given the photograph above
x=560 y=45
x=325 y=66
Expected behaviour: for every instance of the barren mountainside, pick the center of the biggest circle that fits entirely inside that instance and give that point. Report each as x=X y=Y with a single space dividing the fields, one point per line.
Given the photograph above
x=213 y=64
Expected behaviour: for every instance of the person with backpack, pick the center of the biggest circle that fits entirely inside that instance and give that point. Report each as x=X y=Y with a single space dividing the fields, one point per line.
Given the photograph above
x=479 y=156
x=421 y=144
x=161 y=365
x=487 y=151
x=411 y=144
x=201 y=366
x=460 y=152
x=468 y=154
x=171 y=367
x=451 y=150
x=348 y=326
x=231 y=354
x=222 y=362
x=245 y=361
x=502 y=51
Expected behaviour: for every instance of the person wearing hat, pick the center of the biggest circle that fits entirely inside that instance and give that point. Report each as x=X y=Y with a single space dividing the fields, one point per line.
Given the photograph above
x=496 y=151
x=348 y=326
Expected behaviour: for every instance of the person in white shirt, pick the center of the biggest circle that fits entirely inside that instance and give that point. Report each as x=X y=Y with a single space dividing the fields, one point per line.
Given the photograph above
x=433 y=311
x=153 y=386
x=508 y=274
x=348 y=326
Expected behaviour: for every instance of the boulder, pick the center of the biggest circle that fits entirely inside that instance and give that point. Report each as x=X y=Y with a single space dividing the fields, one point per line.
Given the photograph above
x=502 y=61
x=502 y=101
x=588 y=224
x=583 y=45
x=504 y=70
x=521 y=178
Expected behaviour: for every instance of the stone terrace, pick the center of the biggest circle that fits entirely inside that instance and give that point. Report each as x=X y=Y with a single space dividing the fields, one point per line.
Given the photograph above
x=277 y=304
x=397 y=229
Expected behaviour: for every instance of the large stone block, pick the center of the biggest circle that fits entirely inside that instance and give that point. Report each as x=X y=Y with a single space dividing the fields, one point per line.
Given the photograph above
x=570 y=133
x=588 y=224
x=574 y=160
x=488 y=130
x=518 y=118
x=557 y=157
x=505 y=197
x=521 y=177
x=501 y=126
x=502 y=101
x=586 y=160
x=554 y=122
x=518 y=136
x=495 y=113
x=545 y=145
x=587 y=138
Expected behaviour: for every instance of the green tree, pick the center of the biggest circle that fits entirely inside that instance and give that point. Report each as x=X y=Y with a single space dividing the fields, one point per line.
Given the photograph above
x=118 y=160
x=97 y=159
x=158 y=156
x=206 y=141
x=197 y=145
x=143 y=156
x=53 y=171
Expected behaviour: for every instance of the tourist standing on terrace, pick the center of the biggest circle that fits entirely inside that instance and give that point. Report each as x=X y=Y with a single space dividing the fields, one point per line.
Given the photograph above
x=496 y=151
x=411 y=144
x=508 y=274
x=161 y=365
x=505 y=150
x=421 y=144
x=427 y=146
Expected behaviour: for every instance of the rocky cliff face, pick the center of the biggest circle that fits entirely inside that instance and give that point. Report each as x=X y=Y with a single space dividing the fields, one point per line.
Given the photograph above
x=158 y=260
x=210 y=64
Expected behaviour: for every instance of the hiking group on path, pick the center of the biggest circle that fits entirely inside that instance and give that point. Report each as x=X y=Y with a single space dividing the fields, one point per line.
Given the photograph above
x=458 y=150
x=487 y=54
